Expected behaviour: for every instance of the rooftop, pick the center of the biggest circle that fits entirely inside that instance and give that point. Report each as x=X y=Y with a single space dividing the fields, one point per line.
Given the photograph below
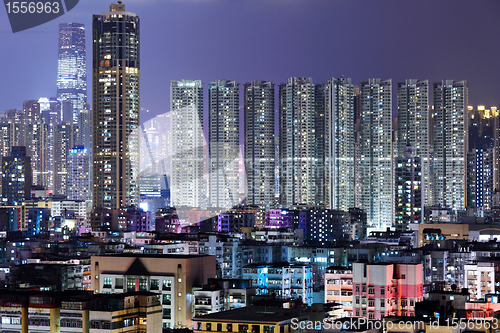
x=255 y=315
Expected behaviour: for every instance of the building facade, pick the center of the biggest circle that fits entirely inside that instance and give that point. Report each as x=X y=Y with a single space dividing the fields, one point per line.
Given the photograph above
x=116 y=123
x=172 y=277
x=382 y=290
x=450 y=142
x=297 y=112
x=376 y=176
x=336 y=149
x=72 y=69
x=259 y=143
x=408 y=182
x=187 y=144
x=17 y=176
x=413 y=128
x=78 y=185
x=223 y=145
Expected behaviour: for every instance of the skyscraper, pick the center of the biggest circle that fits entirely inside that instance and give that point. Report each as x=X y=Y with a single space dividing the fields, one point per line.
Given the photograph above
x=297 y=142
x=187 y=143
x=63 y=142
x=259 y=143
x=72 y=68
x=50 y=114
x=116 y=124
x=336 y=154
x=450 y=141
x=413 y=128
x=376 y=153
x=35 y=137
x=78 y=184
x=223 y=146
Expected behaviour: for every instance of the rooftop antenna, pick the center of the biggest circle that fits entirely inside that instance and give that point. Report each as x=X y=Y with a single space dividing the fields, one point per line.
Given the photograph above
x=120 y=2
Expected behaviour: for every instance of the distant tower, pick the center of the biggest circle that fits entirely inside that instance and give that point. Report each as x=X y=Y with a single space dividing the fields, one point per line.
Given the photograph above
x=376 y=153
x=297 y=142
x=187 y=143
x=259 y=143
x=72 y=68
x=223 y=145
x=450 y=141
x=17 y=176
x=116 y=123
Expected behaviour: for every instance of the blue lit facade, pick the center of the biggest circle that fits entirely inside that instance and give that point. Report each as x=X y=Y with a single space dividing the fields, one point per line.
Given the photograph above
x=72 y=69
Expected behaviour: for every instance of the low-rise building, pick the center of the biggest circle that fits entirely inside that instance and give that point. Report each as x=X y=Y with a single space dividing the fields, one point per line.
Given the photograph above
x=171 y=276
x=282 y=279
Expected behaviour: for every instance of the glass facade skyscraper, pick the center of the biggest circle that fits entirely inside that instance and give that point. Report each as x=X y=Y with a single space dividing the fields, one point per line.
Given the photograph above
x=72 y=69
x=116 y=129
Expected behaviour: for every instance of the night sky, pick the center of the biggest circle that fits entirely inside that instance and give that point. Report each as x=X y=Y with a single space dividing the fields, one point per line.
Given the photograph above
x=248 y=40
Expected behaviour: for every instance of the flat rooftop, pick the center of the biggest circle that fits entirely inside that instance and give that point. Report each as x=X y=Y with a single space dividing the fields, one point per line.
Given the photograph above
x=254 y=314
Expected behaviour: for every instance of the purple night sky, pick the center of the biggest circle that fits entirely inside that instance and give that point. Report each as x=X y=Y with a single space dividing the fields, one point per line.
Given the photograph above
x=248 y=40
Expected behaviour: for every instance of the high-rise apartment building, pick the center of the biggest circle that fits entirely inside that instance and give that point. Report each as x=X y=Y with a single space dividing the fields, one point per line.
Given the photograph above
x=30 y=115
x=78 y=179
x=83 y=136
x=413 y=128
x=17 y=177
x=450 y=142
x=381 y=290
x=408 y=178
x=72 y=69
x=376 y=177
x=297 y=112
x=116 y=124
x=187 y=143
x=223 y=146
x=63 y=142
x=259 y=143
x=336 y=146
